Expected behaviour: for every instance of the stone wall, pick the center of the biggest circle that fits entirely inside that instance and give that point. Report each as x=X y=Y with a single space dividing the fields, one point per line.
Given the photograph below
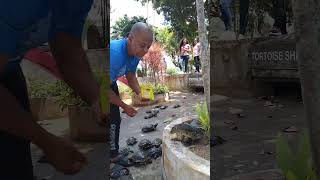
x=229 y=68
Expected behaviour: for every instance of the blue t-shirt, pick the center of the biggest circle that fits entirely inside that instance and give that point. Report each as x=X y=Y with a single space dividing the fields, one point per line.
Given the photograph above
x=120 y=62
x=28 y=24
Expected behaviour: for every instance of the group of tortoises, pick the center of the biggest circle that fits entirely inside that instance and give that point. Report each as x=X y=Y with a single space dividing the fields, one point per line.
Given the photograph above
x=148 y=150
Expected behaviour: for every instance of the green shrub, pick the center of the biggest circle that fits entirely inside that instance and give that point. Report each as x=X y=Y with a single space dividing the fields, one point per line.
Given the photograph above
x=37 y=88
x=172 y=72
x=161 y=89
x=67 y=96
x=204 y=119
x=296 y=164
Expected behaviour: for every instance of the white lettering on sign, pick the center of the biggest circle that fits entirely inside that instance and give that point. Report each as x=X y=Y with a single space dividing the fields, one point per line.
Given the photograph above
x=274 y=56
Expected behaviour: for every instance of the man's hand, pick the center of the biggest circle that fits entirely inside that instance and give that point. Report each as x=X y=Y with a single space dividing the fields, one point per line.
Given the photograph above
x=103 y=118
x=130 y=111
x=64 y=156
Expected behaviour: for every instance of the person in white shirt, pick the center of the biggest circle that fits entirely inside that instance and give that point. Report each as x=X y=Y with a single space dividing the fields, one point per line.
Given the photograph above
x=196 y=54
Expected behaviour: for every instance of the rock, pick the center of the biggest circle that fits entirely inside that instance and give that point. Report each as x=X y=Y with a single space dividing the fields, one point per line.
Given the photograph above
x=149 y=128
x=217 y=140
x=234 y=111
x=268 y=103
x=229 y=122
x=163 y=107
x=43 y=159
x=241 y=115
x=234 y=128
x=173 y=115
x=290 y=129
x=131 y=141
x=176 y=106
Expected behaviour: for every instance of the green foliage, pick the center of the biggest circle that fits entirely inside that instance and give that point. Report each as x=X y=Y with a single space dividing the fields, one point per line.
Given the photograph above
x=37 y=88
x=204 y=119
x=103 y=81
x=125 y=89
x=169 y=42
x=172 y=72
x=296 y=164
x=42 y=89
x=122 y=26
x=160 y=89
x=67 y=96
x=181 y=14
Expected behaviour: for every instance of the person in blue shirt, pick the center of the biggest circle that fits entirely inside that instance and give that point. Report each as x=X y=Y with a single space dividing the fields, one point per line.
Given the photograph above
x=125 y=55
x=25 y=25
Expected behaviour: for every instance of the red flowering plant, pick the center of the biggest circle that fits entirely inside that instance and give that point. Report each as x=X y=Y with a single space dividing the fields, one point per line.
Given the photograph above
x=154 y=61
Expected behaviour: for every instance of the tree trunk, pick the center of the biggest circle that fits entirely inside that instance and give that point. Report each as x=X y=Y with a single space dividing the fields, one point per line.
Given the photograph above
x=307 y=32
x=202 y=31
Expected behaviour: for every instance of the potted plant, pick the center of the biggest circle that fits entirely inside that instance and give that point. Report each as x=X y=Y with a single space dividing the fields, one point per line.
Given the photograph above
x=37 y=95
x=161 y=92
x=83 y=124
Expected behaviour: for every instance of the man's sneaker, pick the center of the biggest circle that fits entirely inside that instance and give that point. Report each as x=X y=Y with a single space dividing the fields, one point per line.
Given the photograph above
x=275 y=32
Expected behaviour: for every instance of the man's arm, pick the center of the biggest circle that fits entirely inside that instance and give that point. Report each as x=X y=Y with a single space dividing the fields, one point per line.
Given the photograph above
x=15 y=120
x=74 y=66
x=133 y=82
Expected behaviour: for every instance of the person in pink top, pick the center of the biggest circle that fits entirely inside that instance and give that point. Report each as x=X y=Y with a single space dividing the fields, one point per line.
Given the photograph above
x=185 y=50
x=196 y=54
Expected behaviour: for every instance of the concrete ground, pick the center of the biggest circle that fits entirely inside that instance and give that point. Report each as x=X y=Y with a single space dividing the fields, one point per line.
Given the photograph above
x=95 y=153
x=251 y=147
x=132 y=127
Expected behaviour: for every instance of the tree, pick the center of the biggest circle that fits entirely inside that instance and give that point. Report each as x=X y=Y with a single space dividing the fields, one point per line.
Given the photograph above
x=180 y=13
x=153 y=60
x=167 y=39
x=204 y=50
x=122 y=27
x=307 y=33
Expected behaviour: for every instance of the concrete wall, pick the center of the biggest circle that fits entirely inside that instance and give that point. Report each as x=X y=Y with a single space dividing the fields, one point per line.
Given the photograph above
x=174 y=83
x=229 y=68
x=179 y=163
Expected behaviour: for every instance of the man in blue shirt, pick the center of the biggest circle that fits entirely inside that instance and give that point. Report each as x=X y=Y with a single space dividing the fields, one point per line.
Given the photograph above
x=25 y=25
x=125 y=55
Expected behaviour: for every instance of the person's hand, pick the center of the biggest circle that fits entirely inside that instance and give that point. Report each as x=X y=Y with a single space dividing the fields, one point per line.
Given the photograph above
x=102 y=118
x=130 y=111
x=63 y=155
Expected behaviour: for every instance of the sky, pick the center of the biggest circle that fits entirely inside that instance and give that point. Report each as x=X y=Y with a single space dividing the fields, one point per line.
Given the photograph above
x=133 y=8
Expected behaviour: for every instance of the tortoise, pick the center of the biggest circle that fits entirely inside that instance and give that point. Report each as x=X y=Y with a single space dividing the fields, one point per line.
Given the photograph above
x=186 y=133
x=145 y=144
x=157 y=142
x=125 y=151
x=150 y=115
x=154 y=152
x=163 y=107
x=131 y=141
x=176 y=106
x=149 y=128
x=140 y=158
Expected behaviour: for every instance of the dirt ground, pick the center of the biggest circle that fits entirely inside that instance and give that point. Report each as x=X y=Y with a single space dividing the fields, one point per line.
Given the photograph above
x=132 y=127
x=250 y=146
